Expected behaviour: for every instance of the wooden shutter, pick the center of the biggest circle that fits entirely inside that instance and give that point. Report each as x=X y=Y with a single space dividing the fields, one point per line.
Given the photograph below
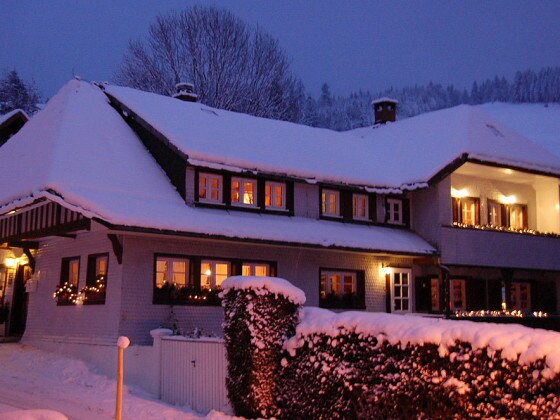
x=423 y=294
x=90 y=279
x=406 y=211
x=476 y=211
x=504 y=216
x=346 y=205
x=388 y=292
x=372 y=207
x=456 y=203
x=361 y=288
x=525 y=216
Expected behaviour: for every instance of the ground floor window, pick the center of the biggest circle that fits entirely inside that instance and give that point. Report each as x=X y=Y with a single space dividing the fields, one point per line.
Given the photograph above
x=520 y=293
x=342 y=289
x=457 y=291
x=434 y=294
x=96 y=280
x=67 y=292
x=401 y=289
x=213 y=274
x=255 y=269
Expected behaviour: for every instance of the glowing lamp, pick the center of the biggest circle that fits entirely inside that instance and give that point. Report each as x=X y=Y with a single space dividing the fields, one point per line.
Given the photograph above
x=208 y=272
x=459 y=193
x=10 y=262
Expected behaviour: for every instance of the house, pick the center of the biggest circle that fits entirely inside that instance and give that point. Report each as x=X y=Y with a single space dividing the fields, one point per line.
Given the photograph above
x=132 y=208
x=11 y=123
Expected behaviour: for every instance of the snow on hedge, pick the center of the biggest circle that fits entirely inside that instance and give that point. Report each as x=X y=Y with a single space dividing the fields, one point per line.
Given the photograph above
x=261 y=284
x=513 y=341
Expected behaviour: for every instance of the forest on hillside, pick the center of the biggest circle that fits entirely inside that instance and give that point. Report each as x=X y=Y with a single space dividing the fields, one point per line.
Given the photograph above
x=343 y=113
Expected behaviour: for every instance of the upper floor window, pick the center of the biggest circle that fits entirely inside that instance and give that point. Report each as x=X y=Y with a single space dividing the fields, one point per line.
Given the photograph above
x=244 y=192
x=360 y=207
x=210 y=188
x=495 y=213
x=466 y=210
x=275 y=195
x=255 y=269
x=330 y=203
x=96 y=280
x=395 y=211
x=341 y=289
x=518 y=216
x=213 y=273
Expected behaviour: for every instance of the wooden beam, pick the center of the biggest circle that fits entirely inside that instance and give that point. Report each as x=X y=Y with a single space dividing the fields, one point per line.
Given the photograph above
x=117 y=246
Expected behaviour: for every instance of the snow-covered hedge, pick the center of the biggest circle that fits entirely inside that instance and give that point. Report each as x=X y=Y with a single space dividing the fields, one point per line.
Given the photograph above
x=368 y=365
x=259 y=314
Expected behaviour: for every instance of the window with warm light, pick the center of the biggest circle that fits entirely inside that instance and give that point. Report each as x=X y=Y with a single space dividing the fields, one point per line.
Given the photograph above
x=360 y=207
x=495 y=211
x=330 y=203
x=466 y=210
x=401 y=289
x=67 y=292
x=96 y=280
x=518 y=216
x=394 y=211
x=210 y=188
x=244 y=192
x=521 y=296
x=255 y=269
x=213 y=273
x=171 y=272
x=341 y=289
x=457 y=298
x=275 y=195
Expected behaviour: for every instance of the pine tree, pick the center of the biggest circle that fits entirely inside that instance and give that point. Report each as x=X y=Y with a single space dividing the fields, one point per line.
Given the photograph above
x=16 y=94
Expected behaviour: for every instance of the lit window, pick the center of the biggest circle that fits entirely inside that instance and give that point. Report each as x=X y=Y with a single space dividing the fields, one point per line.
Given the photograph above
x=435 y=294
x=521 y=296
x=275 y=195
x=244 y=192
x=213 y=274
x=171 y=271
x=255 y=269
x=210 y=188
x=457 y=295
x=96 y=280
x=466 y=210
x=360 y=207
x=494 y=213
x=330 y=203
x=518 y=216
x=339 y=289
x=401 y=289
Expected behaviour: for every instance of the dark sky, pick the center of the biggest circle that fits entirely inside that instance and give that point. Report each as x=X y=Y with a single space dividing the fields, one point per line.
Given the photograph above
x=349 y=44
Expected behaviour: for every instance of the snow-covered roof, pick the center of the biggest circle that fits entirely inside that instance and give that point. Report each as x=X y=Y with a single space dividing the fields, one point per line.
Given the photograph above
x=78 y=151
x=384 y=99
x=8 y=115
x=538 y=122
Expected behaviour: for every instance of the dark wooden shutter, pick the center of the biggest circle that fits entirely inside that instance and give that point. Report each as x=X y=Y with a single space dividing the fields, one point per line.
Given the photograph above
x=261 y=193
x=406 y=211
x=543 y=296
x=346 y=205
x=90 y=279
x=507 y=223
x=388 y=292
x=372 y=207
x=423 y=294
x=494 y=295
x=290 y=197
x=476 y=294
x=525 y=216
x=361 y=288
x=65 y=271
x=477 y=211
x=504 y=215
x=456 y=204
x=226 y=189
x=386 y=210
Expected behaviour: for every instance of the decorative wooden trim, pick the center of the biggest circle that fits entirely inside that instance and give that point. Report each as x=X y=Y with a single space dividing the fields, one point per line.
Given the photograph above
x=117 y=246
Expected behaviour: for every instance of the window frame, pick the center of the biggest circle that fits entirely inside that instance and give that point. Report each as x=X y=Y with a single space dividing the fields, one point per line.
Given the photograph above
x=66 y=278
x=273 y=195
x=516 y=296
x=495 y=209
x=208 y=176
x=213 y=281
x=409 y=287
x=462 y=294
x=253 y=265
x=515 y=211
x=365 y=198
x=458 y=210
x=242 y=181
x=341 y=300
x=325 y=193
x=98 y=297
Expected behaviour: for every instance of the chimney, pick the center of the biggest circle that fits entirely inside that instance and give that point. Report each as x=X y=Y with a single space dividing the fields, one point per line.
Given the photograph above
x=385 y=110
x=185 y=92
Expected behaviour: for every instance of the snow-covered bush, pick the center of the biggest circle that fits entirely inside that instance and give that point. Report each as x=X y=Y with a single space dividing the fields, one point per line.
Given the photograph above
x=357 y=365
x=260 y=313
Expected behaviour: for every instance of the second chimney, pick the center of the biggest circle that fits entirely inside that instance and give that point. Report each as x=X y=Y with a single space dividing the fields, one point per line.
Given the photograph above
x=185 y=92
x=385 y=110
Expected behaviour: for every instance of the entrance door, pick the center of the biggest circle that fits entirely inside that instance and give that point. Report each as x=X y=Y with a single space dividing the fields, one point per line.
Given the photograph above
x=18 y=312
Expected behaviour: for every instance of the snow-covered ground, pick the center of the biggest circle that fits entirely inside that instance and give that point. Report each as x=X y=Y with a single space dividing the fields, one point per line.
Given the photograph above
x=53 y=387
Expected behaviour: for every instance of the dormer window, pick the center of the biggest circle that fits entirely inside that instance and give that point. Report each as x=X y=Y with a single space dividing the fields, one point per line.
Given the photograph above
x=330 y=203
x=210 y=188
x=275 y=195
x=395 y=211
x=360 y=207
x=244 y=192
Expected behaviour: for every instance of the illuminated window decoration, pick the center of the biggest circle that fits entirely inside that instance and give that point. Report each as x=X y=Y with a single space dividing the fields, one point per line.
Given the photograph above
x=395 y=211
x=244 y=192
x=330 y=203
x=171 y=271
x=401 y=289
x=339 y=289
x=213 y=273
x=210 y=188
x=96 y=280
x=275 y=195
x=360 y=206
x=457 y=298
x=67 y=292
x=255 y=269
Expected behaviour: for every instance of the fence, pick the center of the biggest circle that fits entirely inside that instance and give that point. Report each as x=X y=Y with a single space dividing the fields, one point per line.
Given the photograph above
x=193 y=372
